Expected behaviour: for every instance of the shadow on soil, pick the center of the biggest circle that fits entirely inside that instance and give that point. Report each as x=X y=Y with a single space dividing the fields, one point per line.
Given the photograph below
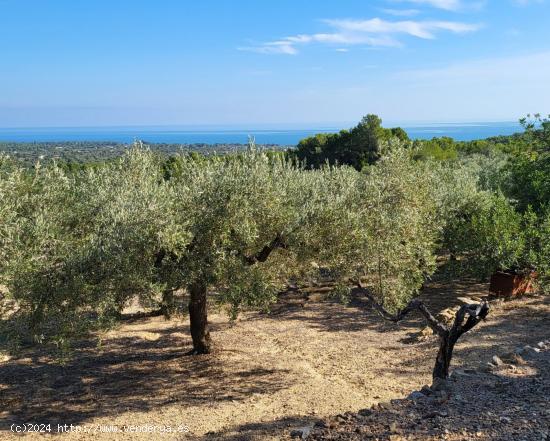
x=358 y=315
x=135 y=374
x=486 y=400
x=128 y=374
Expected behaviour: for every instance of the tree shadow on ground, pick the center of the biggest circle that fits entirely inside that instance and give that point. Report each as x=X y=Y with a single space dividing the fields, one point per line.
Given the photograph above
x=259 y=431
x=127 y=374
x=482 y=406
x=358 y=315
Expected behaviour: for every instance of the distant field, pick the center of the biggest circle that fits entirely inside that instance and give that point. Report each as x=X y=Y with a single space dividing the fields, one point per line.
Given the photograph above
x=98 y=151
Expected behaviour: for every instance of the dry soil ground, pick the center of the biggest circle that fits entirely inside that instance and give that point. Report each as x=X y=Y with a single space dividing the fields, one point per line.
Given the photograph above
x=269 y=374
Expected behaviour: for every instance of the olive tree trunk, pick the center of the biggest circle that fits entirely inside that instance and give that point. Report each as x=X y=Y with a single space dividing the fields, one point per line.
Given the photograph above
x=465 y=319
x=198 y=316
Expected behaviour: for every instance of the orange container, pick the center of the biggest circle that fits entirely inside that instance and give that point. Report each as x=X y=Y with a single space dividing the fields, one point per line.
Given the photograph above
x=505 y=284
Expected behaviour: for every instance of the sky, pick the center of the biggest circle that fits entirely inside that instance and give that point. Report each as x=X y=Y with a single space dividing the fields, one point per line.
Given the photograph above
x=271 y=63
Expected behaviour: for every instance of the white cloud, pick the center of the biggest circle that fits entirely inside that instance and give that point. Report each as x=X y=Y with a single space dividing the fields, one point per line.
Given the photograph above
x=420 y=29
x=401 y=12
x=448 y=5
x=373 y=32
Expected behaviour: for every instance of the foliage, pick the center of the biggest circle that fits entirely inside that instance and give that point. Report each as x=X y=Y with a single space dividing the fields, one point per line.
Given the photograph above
x=357 y=147
x=386 y=230
x=78 y=244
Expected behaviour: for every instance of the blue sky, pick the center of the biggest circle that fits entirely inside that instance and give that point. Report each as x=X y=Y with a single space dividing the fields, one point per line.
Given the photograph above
x=284 y=62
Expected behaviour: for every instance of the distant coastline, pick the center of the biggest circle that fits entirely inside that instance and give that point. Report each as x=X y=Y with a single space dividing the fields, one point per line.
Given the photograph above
x=156 y=134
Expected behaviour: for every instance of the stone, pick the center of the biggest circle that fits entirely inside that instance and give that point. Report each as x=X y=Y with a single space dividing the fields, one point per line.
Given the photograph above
x=385 y=405
x=341 y=418
x=436 y=413
x=416 y=395
x=393 y=426
x=505 y=420
x=301 y=433
x=365 y=412
x=497 y=361
x=460 y=373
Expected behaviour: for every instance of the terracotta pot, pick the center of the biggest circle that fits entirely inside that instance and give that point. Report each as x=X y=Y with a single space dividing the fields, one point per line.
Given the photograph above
x=505 y=284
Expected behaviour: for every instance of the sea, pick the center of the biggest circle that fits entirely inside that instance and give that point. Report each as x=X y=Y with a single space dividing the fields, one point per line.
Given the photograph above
x=234 y=135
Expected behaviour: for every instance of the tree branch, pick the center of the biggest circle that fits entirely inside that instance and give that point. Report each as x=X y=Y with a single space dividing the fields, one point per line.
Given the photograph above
x=263 y=254
x=475 y=312
x=415 y=304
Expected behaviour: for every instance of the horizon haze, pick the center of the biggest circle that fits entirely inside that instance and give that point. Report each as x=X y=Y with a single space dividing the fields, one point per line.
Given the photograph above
x=137 y=63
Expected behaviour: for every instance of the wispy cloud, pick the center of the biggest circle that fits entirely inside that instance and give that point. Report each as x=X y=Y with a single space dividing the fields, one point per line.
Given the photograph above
x=373 y=32
x=448 y=5
x=401 y=12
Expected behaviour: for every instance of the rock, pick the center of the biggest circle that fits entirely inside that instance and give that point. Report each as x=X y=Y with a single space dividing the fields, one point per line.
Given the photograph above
x=490 y=367
x=416 y=395
x=365 y=412
x=531 y=348
x=385 y=405
x=341 y=418
x=320 y=424
x=302 y=433
x=436 y=413
x=497 y=361
x=462 y=373
x=393 y=427
x=505 y=420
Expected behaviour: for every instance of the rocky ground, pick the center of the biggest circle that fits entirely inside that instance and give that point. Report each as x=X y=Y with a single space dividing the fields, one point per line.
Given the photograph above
x=509 y=400
x=270 y=375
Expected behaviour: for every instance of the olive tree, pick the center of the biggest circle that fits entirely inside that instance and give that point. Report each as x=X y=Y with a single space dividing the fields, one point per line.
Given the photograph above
x=387 y=246
x=40 y=240
x=79 y=246
x=243 y=225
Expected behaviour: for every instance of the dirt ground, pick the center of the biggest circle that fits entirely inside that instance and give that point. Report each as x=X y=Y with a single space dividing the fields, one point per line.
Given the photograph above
x=269 y=374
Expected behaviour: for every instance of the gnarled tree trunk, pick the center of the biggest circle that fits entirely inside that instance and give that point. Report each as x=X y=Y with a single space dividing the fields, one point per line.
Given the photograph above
x=198 y=315
x=448 y=336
